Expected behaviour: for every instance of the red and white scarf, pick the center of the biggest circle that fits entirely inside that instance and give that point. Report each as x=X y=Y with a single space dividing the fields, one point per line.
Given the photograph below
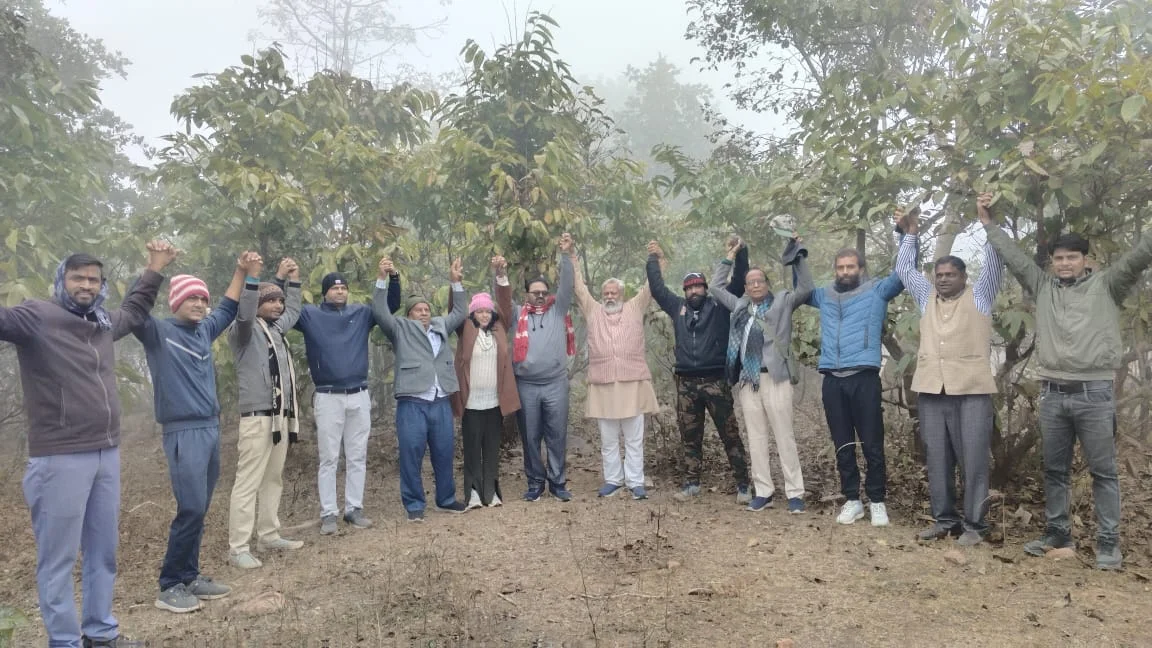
x=520 y=344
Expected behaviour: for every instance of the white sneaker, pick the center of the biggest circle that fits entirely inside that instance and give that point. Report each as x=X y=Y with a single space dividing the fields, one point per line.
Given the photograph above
x=851 y=511
x=474 y=501
x=244 y=560
x=879 y=514
x=496 y=501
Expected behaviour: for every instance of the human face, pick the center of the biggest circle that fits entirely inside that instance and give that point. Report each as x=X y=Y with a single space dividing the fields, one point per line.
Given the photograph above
x=83 y=284
x=848 y=271
x=756 y=285
x=1068 y=264
x=337 y=295
x=271 y=310
x=537 y=293
x=192 y=309
x=421 y=313
x=692 y=291
x=483 y=316
x=610 y=294
x=950 y=281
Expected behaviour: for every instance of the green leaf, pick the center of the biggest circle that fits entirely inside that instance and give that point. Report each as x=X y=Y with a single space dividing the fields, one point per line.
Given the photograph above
x=1131 y=107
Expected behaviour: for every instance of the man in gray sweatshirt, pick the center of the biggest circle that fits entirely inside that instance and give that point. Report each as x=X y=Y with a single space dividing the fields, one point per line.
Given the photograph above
x=543 y=343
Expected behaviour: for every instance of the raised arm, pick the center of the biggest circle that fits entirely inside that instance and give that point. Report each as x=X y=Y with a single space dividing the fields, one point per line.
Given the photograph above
x=138 y=303
x=669 y=301
x=739 y=270
x=455 y=317
x=906 y=269
x=988 y=285
x=502 y=290
x=394 y=300
x=718 y=287
x=381 y=308
x=567 y=282
x=1126 y=271
x=802 y=282
x=584 y=298
x=18 y=324
x=245 y=284
x=293 y=294
x=1030 y=276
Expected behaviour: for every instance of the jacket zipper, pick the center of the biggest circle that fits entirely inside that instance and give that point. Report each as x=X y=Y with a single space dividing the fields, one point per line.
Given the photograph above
x=103 y=389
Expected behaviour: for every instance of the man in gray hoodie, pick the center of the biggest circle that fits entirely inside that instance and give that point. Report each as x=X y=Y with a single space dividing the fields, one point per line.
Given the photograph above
x=543 y=343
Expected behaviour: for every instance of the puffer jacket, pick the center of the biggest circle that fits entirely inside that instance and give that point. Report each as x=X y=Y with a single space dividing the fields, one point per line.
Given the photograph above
x=851 y=322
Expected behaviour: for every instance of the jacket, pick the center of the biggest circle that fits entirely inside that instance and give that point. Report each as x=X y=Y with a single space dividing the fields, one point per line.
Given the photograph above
x=466 y=335
x=1078 y=323
x=68 y=369
x=336 y=340
x=416 y=368
x=250 y=350
x=851 y=322
x=701 y=336
x=180 y=361
x=547 y=358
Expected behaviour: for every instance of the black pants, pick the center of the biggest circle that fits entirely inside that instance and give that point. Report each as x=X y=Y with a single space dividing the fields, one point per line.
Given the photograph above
x=481 y=430
x=852 y=407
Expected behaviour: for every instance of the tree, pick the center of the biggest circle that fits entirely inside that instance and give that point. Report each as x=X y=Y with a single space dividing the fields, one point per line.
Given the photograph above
x=664 y=110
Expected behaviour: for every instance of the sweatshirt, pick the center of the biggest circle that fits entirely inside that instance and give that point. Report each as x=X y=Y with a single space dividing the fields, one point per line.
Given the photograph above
x=547 y=358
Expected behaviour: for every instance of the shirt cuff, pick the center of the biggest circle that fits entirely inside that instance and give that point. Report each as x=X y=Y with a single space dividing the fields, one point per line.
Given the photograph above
x=252 y=281
x=382 y=284
x=457 y=286
x=502 y=281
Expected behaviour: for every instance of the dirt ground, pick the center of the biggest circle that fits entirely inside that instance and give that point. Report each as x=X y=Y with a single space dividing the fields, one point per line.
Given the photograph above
x=612 y=572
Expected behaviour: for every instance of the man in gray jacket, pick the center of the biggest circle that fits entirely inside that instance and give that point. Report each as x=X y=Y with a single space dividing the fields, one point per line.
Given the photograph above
x=543 y=343
x=268 y=403
x=424 y=379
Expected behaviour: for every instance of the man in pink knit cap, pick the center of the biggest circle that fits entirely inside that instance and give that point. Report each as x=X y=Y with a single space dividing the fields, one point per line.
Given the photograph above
x=619 y=384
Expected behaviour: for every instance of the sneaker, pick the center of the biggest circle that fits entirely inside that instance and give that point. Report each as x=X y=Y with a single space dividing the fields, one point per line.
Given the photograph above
x=415 y=516
x=1108 y=556
x=356 y=518
x=474 y=500
x=639 y=493
x=328 y=525
x=608 y=490
x=99 y=643
x=851 y=511
x=796 y=505
x=280 y=544
x=206 y=589
x=687 y=492
x=759 y=503
x=534 y=493
x=743 y=493
x=879 y=514
x=454 y=507
x=562 y=494
x=1052 y=539
x=178 y=599
x=496 y=501
x=244 y=560
x=969 y=539
x=939 y=531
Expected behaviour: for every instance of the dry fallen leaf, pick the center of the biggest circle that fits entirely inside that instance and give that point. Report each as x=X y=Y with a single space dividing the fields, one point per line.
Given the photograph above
x=955 y=557
x=1062 y=553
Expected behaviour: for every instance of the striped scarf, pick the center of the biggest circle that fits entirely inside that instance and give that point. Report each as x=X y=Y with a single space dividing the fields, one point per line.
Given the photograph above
x=520 y=344
x=282 y=411
x=746 y=370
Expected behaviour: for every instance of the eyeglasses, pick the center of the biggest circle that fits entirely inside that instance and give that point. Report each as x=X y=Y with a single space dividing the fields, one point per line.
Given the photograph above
x=755 y=282
x=538 y=293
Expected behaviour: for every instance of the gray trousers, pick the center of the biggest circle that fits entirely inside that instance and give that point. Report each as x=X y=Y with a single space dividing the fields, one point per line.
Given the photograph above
x=1090 y=416
x=543 y=416
x=958 y=430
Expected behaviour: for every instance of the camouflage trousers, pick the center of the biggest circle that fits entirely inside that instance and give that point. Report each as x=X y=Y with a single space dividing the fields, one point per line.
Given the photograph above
x=694 y=396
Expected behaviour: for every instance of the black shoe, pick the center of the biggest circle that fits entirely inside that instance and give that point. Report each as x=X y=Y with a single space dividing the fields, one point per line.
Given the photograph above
x=1052 y=539
x=100 y=643
x=939 y=531
x=454 y=507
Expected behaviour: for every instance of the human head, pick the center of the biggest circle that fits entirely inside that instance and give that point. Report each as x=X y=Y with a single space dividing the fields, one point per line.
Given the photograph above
x=271 y=304
x=612 y=295
x=951 y=275
x=695 y=289
x=83 y=279
x=481 y=309
x=188 y=298
x=849 y=266
x=417 y=308
x=537 y=290
x=334 y=289
x=756 y=284
x=1069 y=256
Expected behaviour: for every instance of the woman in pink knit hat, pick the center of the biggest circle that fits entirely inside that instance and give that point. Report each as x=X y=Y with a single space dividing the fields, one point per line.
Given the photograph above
x=487 y=387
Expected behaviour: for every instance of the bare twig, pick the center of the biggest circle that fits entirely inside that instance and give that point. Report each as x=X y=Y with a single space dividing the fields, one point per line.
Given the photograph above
x=583 y=582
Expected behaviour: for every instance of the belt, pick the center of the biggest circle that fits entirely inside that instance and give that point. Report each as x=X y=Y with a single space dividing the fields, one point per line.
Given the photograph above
x=258 y=413
x=1076 y=387
x=333 y=390
x=763 y=370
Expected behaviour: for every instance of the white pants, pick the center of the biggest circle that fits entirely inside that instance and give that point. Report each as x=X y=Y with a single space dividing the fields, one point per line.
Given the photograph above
x=347 y=419
x=631 y=472
x=771 y=407
x=259 y=483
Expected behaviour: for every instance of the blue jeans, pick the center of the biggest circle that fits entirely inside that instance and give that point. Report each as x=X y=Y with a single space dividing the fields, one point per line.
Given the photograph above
x=1090 y=416
x=75 y=504
x=424 y=424
x=543 y=416
x=193 y=466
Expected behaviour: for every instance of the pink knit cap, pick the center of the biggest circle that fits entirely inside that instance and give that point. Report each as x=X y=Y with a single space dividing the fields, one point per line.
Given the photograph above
x=184 y=286
x=481 y=301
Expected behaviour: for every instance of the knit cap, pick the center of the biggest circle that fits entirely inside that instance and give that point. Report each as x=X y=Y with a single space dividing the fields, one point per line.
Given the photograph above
x=411 y=301
x=331 y=279
x=694 y=279
x=481 y=301
x=269 y=292
x=184 y=286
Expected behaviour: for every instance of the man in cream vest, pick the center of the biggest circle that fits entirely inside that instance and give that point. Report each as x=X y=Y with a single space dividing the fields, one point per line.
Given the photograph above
x=954 y=380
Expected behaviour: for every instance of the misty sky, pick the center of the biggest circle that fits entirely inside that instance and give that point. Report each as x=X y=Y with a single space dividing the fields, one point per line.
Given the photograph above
x=168 y=41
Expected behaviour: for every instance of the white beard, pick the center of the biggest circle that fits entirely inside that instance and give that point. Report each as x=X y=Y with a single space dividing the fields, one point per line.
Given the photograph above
x=613 y=307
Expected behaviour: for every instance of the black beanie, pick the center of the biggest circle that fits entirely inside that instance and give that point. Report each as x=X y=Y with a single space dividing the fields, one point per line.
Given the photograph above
x=331 y=279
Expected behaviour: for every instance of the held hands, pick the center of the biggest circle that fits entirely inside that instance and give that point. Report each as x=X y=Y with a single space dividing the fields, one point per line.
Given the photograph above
x=250 y=263
x=984 y=208
x=160 y=254
x=456 y=273
x=567 y=245
x=907 y=222
x=288 y=270
x=732 y=246
x=386 y=269
x=499 y=266
x=654 y=248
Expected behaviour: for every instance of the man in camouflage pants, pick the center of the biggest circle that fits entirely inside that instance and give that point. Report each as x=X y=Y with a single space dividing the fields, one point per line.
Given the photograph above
x=701 y=327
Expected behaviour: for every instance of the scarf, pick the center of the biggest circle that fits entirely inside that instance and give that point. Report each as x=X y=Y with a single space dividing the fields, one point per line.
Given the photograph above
x=747 y=370
x=520 y=346
x=95 y=308
x=281 y=411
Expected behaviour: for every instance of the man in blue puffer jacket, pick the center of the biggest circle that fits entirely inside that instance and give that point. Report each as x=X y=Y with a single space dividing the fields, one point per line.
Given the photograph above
x=852 y=314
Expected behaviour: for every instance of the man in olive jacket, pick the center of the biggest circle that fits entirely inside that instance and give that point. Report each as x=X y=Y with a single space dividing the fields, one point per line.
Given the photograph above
x=425 y=378
x=1078 y=350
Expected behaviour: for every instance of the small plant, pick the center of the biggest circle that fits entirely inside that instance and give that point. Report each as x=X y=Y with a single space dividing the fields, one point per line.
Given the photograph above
x=10 y=619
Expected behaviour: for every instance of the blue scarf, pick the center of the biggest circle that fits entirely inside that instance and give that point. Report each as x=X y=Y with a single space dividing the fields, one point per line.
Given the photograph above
x=747 y=370
x=95 y=308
